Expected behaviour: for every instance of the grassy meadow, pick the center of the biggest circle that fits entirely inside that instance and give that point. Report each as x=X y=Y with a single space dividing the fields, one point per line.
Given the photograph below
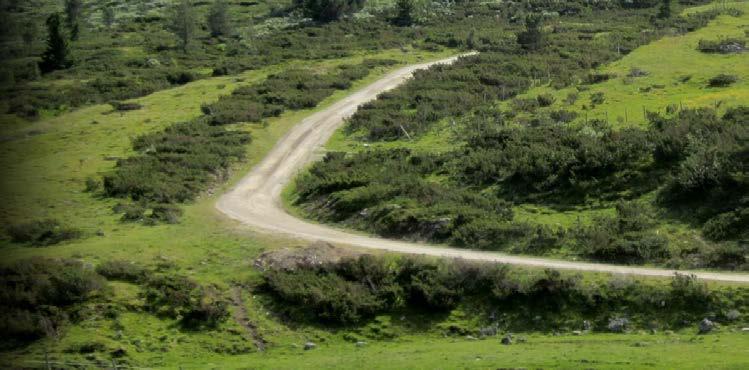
x=47 y=161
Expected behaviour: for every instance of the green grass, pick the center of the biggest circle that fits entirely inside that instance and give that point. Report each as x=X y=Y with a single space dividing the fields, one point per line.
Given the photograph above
x=667 y=61
x=681 y=350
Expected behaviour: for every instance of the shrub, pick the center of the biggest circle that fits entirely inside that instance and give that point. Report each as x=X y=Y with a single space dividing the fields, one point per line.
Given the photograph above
x=545 y=100
x=37 y=294
x=122 y=270
x=42 y=233
x=354 y=289
x=180 y=298
x=724 y=46
x=121 y=106
x=722 y=80
x=625 y=238
x=596 y=78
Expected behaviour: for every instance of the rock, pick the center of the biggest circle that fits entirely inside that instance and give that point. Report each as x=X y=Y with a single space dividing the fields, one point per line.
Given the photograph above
x=361 y=344
x=152 y=62
x=577 y=332
x=507 y=339
x=488 y=331
x=586 y=325
x=309 y=345
x=471 y=337
x=745 y=330
x=291 y=259
x=618 y=324
x=119 y=352
x=733 y=315
x=705 y=326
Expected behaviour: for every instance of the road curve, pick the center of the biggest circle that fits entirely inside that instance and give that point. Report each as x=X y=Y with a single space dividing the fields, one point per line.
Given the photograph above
x=256 y=200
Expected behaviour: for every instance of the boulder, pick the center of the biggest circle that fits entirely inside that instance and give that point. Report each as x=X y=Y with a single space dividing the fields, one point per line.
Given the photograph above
x=577 y=332
x=618 y=324
x=309 y=345
x=488 y=331
x=705 y=326
x=507 y=339
x=361 y=344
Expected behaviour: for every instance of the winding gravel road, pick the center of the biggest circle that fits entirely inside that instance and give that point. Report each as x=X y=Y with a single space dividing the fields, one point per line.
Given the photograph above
x=256 y=200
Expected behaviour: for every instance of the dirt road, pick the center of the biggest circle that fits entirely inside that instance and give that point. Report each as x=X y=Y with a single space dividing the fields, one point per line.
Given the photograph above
x=256 y=200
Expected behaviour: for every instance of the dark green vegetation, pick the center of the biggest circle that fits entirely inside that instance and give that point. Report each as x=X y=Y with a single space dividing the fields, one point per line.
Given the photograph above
x=42 y=233
x=695 y=162
x=501 y=299
x=687 y=166
x=176 y=165
x=291 y=89
x=39 y=297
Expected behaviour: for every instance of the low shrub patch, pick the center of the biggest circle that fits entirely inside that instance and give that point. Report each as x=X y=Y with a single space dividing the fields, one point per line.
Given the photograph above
x=42 y=233
x=355 y=289
x=722 y=80
x=38 y=295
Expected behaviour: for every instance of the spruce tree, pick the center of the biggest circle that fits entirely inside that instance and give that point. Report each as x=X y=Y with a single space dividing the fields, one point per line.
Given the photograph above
x=72 y=15
x=183 y=23
x=404 y=13
x=218 y=19
x=664 y=12
x=57 y=54
x=108 y=16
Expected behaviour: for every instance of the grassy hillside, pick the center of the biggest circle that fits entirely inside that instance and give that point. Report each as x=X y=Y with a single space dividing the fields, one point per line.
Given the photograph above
x=83 y=319
x=533 y=155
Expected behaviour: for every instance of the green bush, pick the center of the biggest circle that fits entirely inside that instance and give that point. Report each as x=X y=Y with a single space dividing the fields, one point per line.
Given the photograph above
x=122 y=270
x=37 y=295
x=729 y=45
x=179 y=297
x=722 y=80
x=355 y=289
x=42 y=233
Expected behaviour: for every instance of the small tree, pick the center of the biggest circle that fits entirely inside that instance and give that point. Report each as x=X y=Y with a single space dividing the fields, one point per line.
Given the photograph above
x=404 y=13
x=72 y=15
x=183 y=23
x=532 y=37
x=218 y=19
x=28 y=35
x=57 y=54
x=328 y=10
x=108 y=16
x=664 y=12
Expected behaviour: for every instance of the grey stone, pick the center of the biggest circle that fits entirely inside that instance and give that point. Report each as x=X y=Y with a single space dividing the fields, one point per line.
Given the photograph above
x=705 y=326
x=586 y=325
x=733 y=315
x=577 y=332
x=309 y=345
x=618 y=324
x=488 y=331
x=507 y=339
x=361 y=344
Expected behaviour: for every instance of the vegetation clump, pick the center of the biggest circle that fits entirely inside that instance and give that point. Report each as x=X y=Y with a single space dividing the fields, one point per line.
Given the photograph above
x=39 y=295
x=355 y=289
x=41 y=233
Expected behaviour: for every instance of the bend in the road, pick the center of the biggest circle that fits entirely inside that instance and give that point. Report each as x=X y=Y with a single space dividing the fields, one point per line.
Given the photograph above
x=256 y=200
